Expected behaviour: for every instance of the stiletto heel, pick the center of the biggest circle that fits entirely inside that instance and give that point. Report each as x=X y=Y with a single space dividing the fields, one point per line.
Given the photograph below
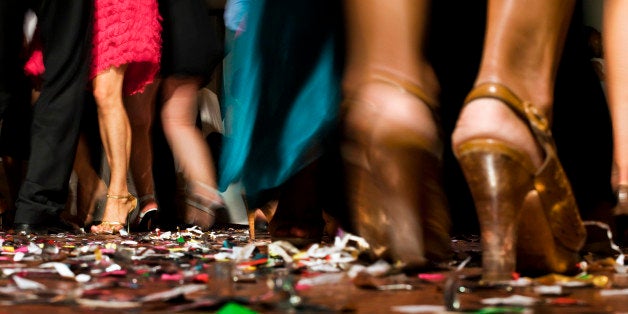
x=529 y=220
x=111 y=227
x=395 y=191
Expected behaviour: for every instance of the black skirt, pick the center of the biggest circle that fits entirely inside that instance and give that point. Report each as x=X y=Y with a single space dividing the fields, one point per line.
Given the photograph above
x=191 y=45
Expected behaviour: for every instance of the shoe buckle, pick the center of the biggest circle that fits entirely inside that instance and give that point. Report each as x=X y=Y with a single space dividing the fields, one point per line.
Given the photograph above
x=536 y=118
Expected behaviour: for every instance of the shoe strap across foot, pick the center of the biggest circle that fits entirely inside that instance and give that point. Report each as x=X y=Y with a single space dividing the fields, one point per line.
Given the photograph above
x=405 y=86
x=129 y=198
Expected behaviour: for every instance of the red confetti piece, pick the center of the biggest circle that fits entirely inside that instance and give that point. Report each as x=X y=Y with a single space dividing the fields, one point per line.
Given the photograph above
x=565 y=301
x=202 y=278
x=117 y=273
x=254 y=263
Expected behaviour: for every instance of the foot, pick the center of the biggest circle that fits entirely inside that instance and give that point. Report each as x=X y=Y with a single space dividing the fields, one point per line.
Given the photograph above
x=116 y=212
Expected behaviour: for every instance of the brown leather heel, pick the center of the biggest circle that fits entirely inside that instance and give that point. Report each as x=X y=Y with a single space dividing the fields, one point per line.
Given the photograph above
x=394 y=184
x=529 y=220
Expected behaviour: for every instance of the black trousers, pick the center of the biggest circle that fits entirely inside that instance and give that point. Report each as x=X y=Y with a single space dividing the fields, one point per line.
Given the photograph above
x=65 y=27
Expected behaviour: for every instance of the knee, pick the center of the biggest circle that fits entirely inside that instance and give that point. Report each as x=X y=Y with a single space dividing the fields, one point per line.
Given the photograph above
x=105 y=94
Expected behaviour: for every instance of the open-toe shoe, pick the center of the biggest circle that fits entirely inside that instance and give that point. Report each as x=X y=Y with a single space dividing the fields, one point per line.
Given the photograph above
x=111 y=227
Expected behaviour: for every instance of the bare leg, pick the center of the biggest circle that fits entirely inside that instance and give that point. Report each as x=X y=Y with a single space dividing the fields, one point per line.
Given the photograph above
x=391 y=136
x=141 y=111
x=616 y=44
x=91 y=187
x=115 y=132
x=523 y=44
x=514 y=174
x=189 y=148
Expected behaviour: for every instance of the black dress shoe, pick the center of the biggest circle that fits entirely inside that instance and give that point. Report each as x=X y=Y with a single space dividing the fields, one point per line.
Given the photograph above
x=58 y=226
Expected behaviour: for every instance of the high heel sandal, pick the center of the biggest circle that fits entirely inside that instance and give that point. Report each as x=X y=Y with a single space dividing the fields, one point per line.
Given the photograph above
x=111 y=227
x=204 y=205
x=394 y=179
x=529 y=219
x=144 y=220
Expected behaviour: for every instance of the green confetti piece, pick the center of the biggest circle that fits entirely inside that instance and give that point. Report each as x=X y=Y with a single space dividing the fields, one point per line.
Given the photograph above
x=234 y=308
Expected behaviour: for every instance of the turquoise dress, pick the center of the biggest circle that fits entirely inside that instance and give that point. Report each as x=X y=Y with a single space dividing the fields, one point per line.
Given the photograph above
x=281 y=91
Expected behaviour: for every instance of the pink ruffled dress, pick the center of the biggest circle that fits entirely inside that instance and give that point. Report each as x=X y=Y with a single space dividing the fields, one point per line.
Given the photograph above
x=127 y=32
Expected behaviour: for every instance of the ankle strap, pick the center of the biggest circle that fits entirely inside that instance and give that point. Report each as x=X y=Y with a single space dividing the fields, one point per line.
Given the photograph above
x=405 y=85
x=120 y=197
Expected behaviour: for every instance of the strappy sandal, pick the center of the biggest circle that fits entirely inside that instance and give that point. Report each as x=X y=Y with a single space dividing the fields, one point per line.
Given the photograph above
x=145 y=218
x=529 y=219
x=111 y=227
x=394 y=178
x=204 y=205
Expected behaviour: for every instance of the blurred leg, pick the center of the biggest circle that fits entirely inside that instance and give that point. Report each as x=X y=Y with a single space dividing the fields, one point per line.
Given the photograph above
x=392 y=145
x=189 y=148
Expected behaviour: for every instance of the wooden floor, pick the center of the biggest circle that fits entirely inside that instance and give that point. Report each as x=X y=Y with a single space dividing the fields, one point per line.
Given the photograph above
x=137 y=274
x=164 y=273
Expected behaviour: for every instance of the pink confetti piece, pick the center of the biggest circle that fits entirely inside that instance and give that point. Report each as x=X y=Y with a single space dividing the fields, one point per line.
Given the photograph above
x=432 y=277
x=173 y=277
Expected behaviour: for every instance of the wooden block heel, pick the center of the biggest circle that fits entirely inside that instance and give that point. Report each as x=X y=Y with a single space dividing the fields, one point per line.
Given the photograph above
x=529 y=219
